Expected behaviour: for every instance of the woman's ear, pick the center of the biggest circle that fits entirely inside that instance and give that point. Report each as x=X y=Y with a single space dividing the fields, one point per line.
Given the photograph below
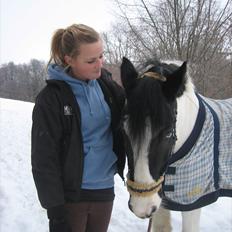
x=68 y=60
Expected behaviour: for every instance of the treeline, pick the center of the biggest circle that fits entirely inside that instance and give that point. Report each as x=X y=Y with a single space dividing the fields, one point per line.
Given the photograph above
x=197 y=31
x=23 y=81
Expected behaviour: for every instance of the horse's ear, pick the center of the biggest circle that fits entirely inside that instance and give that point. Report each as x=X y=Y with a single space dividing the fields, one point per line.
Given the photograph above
x=128 y=74
x=175 y=85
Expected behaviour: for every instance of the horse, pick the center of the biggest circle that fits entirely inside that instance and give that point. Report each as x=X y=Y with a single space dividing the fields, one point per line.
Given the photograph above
x=178 y=142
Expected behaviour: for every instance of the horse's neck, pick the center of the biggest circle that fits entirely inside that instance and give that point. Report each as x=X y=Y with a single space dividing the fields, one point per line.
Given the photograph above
x=187 y=109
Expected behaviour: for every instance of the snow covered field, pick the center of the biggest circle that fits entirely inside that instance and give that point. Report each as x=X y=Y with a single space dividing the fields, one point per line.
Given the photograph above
x=20 y=210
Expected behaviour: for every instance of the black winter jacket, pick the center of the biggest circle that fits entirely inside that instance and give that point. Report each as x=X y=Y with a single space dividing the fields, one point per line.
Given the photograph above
x=57 y=149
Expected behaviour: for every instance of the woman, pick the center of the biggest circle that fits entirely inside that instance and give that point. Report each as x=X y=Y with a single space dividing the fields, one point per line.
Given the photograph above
x=77 y=143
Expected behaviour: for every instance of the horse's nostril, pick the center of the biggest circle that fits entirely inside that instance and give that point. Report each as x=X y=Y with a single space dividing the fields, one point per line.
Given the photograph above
x=153 y=209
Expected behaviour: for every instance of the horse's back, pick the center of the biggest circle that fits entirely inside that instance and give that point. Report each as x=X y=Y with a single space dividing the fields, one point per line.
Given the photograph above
x=202 y=171
x=223 y=109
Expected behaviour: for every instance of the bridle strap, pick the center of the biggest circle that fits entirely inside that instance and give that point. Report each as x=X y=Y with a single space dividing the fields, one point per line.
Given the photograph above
x=153 y=75
x=142 y=189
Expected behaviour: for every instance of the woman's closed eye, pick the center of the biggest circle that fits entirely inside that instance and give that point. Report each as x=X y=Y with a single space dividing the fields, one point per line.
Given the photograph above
x=95 y=60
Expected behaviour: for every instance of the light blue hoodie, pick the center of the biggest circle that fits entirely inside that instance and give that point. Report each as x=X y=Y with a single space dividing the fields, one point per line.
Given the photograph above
x=99 y=158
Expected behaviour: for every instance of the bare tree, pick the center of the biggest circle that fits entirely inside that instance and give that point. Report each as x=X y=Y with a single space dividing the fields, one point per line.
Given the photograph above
x=195 y=30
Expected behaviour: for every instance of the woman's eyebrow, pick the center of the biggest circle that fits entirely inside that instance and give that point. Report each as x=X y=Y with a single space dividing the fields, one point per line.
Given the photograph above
x=93 y=58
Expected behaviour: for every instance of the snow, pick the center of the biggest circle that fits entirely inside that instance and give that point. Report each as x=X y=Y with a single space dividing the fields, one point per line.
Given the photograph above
x=20 y=210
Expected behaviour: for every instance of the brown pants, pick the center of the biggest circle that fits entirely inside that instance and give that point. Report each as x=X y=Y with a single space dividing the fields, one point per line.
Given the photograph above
x=89 y=216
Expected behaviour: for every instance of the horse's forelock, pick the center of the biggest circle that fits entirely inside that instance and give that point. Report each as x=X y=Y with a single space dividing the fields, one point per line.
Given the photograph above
x=147 y=101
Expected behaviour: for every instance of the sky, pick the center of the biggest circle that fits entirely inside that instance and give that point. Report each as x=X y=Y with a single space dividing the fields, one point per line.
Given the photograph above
x=20 y=210
x=26 y=26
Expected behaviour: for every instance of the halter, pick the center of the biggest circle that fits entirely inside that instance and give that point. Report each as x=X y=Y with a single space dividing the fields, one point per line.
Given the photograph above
x=142 y=189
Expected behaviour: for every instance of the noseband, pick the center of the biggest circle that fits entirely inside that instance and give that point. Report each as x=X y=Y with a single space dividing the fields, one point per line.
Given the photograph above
x=142 y=189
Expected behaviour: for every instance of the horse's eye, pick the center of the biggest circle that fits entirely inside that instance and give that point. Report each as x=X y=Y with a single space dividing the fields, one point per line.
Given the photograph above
x=170 y=134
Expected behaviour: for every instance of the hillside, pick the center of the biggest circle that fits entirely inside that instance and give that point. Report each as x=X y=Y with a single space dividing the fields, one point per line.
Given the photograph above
x=19 y=207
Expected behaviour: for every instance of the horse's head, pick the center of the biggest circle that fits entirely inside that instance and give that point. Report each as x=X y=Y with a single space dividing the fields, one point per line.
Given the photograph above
x=150 y=117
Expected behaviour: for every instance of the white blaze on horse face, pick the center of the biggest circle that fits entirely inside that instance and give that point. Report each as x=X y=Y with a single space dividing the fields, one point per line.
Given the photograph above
x=143 y=206
x=142 y=173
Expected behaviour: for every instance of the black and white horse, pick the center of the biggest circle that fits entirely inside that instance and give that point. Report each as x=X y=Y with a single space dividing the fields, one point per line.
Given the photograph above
x=177 y=158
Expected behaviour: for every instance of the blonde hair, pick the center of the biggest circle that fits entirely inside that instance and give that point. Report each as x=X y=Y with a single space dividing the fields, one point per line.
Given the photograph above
x=68 y=41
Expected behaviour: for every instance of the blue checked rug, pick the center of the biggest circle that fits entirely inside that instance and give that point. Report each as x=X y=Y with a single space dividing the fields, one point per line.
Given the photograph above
x=201 y=170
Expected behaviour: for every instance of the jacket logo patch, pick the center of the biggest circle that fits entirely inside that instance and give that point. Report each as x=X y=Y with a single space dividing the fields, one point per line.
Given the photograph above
x=67 y=110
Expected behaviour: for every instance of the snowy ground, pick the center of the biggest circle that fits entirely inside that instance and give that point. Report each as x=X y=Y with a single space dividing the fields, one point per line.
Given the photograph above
x=19 y=207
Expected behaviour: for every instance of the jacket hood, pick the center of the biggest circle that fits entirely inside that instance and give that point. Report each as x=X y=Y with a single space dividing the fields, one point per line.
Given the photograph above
x=56 y=72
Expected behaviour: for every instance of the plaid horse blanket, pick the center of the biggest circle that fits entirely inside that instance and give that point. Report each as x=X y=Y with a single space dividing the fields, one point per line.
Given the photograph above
x=201 y=170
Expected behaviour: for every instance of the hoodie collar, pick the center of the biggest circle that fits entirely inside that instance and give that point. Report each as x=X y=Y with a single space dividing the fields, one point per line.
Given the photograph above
x=57 y=72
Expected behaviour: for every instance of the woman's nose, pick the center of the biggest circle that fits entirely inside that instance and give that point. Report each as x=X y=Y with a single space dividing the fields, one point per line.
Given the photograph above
x=99 y=63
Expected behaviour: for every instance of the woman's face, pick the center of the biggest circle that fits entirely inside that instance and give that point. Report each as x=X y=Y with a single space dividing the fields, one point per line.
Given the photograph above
x=87 y=65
